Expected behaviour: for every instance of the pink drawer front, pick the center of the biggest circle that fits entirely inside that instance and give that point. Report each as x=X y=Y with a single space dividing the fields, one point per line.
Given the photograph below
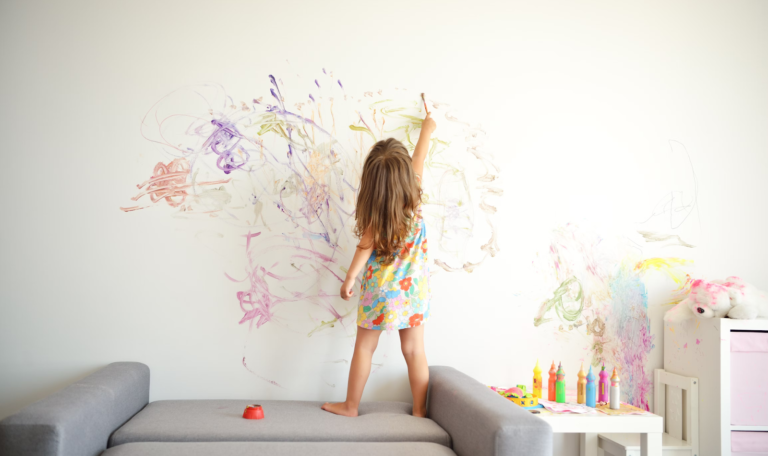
x=749 y=443
x=749 y=369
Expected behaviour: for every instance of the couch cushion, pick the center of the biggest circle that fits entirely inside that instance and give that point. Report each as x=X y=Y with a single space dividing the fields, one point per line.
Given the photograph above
x=279 y=449
x=79 y=418
x=285 y=421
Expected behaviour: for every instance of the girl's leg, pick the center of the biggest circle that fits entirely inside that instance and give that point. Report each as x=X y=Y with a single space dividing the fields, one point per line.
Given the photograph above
x=412 y=344
x=359 y=368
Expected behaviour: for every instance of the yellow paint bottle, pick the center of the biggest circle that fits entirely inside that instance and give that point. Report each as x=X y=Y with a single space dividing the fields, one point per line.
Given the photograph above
x=537 y=380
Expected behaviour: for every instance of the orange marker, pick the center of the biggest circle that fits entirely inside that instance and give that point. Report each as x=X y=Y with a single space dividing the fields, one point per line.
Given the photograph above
x=551 y=390
x=581 y=386
x=425 y=102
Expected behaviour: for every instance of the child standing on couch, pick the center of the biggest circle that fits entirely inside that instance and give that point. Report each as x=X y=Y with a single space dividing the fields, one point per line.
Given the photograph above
x=392 y=253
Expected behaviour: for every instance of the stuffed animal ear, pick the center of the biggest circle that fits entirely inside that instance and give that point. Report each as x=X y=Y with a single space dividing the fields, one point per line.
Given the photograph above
x=681 y=312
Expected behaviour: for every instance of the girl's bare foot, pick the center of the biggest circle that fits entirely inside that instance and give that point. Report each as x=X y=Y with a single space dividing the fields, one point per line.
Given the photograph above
x=340 y=408
x=419 y=413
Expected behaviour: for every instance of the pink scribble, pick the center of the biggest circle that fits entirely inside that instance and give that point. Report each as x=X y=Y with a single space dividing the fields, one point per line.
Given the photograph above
x=698 y=341
x=168 y=182
x=271 y=382
x=258 y=303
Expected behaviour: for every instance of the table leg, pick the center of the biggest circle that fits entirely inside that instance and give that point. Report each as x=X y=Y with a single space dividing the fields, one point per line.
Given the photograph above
x=650 y=444
x=588 y=444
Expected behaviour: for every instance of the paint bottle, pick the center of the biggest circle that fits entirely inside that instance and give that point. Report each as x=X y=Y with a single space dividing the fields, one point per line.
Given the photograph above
x=603 y=387
x=581 y=386
x=591 y=388
x=537 y=380
x=615 y=393
x=560 y=384
x=551 y=383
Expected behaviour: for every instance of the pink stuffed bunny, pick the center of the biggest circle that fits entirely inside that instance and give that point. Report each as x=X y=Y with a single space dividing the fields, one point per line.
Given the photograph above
x=732 y=298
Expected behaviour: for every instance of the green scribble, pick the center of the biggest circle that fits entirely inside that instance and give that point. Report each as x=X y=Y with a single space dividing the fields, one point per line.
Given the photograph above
x=323 y=325
x=414 y=119
x=363 y=129
x=379 y=102
x=559 y=300
x=436 y=148
x=332 y=323
x=388 y=111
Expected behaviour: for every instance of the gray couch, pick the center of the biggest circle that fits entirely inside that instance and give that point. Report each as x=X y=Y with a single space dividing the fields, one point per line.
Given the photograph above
x=108 y=413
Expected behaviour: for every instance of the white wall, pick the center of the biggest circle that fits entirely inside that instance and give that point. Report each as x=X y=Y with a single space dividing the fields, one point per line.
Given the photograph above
x=580 y=101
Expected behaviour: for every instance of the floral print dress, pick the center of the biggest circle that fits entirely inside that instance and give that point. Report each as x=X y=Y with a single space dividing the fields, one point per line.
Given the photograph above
x=397 y=296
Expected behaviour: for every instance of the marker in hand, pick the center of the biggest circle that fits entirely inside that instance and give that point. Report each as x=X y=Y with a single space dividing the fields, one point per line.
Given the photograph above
x=425 y=102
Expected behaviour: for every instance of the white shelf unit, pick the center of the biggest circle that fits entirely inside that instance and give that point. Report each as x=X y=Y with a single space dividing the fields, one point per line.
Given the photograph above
x=707 y=356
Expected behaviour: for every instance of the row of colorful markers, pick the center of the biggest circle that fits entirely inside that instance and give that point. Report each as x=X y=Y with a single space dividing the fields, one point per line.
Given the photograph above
x=586 y=391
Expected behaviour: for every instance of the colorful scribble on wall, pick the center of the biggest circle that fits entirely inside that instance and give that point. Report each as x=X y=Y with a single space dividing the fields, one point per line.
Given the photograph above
x=600 y=296
x=282 y=169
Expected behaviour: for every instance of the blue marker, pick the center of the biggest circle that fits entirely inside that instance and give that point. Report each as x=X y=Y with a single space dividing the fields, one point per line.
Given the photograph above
x=591 y=388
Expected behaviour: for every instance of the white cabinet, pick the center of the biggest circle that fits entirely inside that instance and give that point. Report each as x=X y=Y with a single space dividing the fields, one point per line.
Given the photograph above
x=713 y=350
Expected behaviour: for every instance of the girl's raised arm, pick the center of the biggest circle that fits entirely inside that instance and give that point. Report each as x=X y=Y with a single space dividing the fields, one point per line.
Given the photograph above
x=428 y=125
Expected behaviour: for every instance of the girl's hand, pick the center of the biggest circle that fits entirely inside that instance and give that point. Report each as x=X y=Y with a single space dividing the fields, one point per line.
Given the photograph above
x=428 y=125
x=346 y=289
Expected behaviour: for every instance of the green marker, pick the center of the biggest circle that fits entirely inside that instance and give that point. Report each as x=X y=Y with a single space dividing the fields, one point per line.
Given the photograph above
x=560 y=385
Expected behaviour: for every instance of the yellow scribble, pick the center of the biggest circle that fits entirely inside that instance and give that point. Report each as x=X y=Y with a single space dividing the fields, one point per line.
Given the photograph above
x=668 y=266
x=672 y=268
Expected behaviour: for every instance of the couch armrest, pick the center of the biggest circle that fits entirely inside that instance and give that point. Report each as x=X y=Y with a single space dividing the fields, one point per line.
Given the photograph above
x=480 y=421
x=78 y=419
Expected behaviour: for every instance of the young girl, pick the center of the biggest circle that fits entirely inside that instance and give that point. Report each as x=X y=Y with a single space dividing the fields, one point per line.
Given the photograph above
x=393 y=249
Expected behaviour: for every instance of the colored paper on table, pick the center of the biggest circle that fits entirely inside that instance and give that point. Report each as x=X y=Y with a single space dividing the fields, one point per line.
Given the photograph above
x=567 y=407
x=624 y=409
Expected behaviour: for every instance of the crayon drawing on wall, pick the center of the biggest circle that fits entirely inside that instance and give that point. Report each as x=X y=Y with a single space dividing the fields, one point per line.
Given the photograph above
x=279 y=172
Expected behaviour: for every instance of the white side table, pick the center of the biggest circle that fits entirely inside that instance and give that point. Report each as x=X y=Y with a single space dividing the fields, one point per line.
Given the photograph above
x=650 y=428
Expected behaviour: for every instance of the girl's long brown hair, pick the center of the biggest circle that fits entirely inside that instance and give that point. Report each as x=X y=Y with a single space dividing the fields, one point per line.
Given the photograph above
x=388 y=198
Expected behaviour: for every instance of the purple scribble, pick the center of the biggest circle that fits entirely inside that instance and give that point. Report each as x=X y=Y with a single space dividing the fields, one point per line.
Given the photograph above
x=317 y=84
x=312 y=98
x=339 y=81
x=630 y=323
x=224 y=143
x=277 y=95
